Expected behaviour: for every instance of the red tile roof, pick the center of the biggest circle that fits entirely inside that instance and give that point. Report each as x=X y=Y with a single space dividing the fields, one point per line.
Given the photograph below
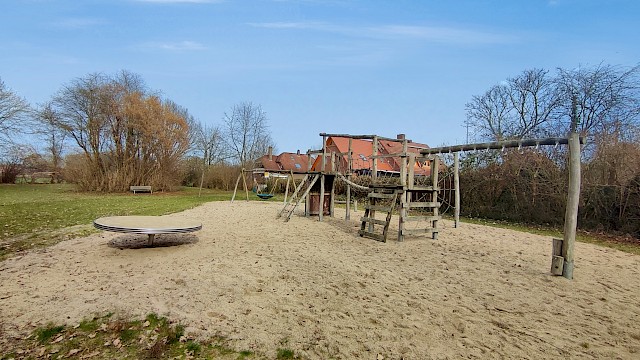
x=292 y=161
x=285 y=161
x=393 y=147
x=362 y=151
x=267 y=164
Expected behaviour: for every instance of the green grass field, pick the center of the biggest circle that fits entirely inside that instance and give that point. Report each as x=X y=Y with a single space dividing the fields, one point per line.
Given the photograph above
x=43 y=214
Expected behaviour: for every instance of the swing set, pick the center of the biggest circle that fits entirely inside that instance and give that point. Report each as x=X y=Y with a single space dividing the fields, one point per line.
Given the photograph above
x=259 y=189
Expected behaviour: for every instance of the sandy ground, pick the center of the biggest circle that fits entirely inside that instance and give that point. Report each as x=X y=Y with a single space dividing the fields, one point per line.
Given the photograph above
x=318 y=289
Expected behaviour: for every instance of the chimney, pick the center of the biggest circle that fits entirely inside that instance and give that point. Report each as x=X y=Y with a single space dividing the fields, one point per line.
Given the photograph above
x=270 y=153
x=400 y=137
x=298 y=153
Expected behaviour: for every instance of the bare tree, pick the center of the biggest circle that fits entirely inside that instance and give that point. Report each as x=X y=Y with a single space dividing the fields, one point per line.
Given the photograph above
x=534 y=100
x=14 y=110
x=488 y=114
x=246 y=133
x=519 y=108
x=126 y=136
x=607 y=97
x=53 y=136
x=80 y=106
x=207 y=142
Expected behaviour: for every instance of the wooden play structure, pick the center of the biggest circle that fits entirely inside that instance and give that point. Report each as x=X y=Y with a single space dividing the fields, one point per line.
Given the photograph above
x=417 y=200
x=412 y=191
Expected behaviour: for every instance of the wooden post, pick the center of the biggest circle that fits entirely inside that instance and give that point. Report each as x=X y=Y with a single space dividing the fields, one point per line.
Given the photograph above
x=244 y=181
x=235 y=189
x=307 y=200
x=456 y=185
x=374 y=165
x=321 y=205
x=435 y=164
x=557 y=261
x=201 y=179
x=403 y=196
x=286 y=189
x=411 y=169
x=333 y=162
x=573 y=200
x=332 y=196
x=323 y=163
x=347 y=215
x=374 y=176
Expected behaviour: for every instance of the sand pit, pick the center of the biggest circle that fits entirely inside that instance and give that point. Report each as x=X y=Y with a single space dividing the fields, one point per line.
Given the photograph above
x=476 y=292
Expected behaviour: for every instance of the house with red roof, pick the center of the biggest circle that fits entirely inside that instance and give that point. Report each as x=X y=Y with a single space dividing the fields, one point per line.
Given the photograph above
x=285 y=162
x=362 y=150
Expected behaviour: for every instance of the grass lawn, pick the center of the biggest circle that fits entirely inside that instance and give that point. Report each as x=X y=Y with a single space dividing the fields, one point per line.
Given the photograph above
x=620 y=242
x=106 y=337
x=44 y=214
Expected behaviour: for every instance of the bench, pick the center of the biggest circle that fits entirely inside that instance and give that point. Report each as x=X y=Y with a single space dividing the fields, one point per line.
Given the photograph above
x=140 y=188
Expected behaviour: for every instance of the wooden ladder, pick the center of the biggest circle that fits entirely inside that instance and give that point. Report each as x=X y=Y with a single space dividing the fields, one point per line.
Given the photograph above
x=427 y=211
x=424 y=212
x=295 y=200
x=380 y=199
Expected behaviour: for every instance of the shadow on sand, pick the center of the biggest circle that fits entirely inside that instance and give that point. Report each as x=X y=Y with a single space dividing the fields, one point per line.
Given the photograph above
x=139 y=241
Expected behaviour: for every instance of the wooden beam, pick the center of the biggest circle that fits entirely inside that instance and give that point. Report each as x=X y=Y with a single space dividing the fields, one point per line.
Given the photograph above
x=244 y=181
x=499 y=145
x=361 y=137
x=573 y=200
x=235 y=189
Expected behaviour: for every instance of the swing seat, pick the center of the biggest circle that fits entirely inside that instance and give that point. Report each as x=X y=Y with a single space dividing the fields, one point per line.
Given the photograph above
x=265 y=196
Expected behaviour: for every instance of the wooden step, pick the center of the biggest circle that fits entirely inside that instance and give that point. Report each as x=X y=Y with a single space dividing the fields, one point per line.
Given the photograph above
x=423 y=188
x=386 y=209
x=381 y=195
x=414 y=205
x=418 y=231
x=422 y=218
x=371 y=220
x=373 y=236
x=385 y=186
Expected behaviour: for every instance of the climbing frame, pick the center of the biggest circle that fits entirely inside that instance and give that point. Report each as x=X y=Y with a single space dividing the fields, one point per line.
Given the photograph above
x=381 y=198
x=419 y=201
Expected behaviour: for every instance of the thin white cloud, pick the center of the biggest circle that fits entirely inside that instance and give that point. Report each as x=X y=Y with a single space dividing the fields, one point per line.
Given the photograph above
x=398 y=32
x=175 y=46
x=442 y=34
x=181 y=1
x=79 y=23
x=319 y=26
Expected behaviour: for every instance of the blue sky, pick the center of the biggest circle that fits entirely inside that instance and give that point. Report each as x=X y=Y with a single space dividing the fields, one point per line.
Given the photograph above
x=338 y=66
